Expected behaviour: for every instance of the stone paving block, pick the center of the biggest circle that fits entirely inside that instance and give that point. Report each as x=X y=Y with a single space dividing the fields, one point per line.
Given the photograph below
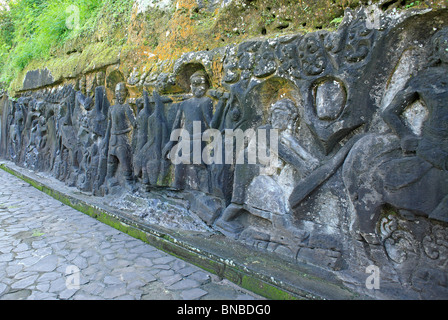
x=193 y=294
x=23 y=254
x=46 y=264
x=21 y=247
x=11 y=271
x=28 y=262
x=80 y=262
x=171 y=279
x=143 y=262
x=129 y=276
x=187 y=271
x=114 y=291
x=50 y=276
x=108 y=280
x=147 y=277
x=200 y=276
x=36 y=295
x=184 y=284
x=178 y=264
x=136 y=284
x=24 y=283
x=94 y=288
x=3 y=288
x=58 y=285
x=161 y=266
x=6 y=257
x=44 y=287
x=67 y=294
x=37 y=244
x=24 y=274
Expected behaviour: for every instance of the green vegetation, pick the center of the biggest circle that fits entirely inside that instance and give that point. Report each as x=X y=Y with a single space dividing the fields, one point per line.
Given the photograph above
x=412 y=4
x=37 y=233
x=336 y=21
x=36 y=29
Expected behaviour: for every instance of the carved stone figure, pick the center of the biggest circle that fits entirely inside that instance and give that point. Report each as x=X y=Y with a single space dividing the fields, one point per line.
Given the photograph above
x=230 y=72
x=38 y=129
x=292 y=157
x=226 y=116
x=83 y=104
x=16 y=129
x=100 y=111
x=93 y=125
x=156 y=167
x=66 y=160
x=197 y=109
x=352 y=170
x=406 y=171
x=141 y=134
x=121 y=121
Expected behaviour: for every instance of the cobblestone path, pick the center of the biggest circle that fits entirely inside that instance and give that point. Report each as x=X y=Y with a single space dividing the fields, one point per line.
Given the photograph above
x=51 y=251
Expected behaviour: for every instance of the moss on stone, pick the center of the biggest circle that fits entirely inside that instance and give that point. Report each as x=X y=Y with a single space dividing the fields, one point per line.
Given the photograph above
x=150 y=41
x=93 y=57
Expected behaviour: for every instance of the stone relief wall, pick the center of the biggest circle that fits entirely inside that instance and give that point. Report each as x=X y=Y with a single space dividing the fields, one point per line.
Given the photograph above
x=361 y=115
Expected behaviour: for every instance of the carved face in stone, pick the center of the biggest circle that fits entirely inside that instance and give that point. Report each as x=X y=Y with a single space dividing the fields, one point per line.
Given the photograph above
x=440 y=44
x=120 y=93
x=231 y=74
x=199 y=84
x=283 y=114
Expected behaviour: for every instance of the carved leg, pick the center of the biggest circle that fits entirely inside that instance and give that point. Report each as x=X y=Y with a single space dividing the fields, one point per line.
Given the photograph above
x=138 y=168
x=125 y=160
x=112 y=166
x=225 y=223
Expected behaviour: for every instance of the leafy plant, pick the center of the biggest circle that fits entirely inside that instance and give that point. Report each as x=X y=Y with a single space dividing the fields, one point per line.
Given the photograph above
x=336 y=21
x=31 y=28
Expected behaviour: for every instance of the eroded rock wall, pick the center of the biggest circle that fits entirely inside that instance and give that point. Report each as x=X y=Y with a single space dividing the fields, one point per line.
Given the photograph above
x=358 y=117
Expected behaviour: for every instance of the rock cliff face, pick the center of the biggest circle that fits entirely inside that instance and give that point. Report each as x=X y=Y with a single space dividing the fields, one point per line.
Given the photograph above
x=355 y=121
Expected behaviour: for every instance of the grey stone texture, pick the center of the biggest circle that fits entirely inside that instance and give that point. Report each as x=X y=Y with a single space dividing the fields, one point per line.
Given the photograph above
x=45 y=245
x=360 y=115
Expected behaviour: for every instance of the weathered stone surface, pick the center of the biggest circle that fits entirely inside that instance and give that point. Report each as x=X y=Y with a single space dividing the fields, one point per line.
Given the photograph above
x=46 y=264
x=360 y=173
x=37 y=79
x=193 y=294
